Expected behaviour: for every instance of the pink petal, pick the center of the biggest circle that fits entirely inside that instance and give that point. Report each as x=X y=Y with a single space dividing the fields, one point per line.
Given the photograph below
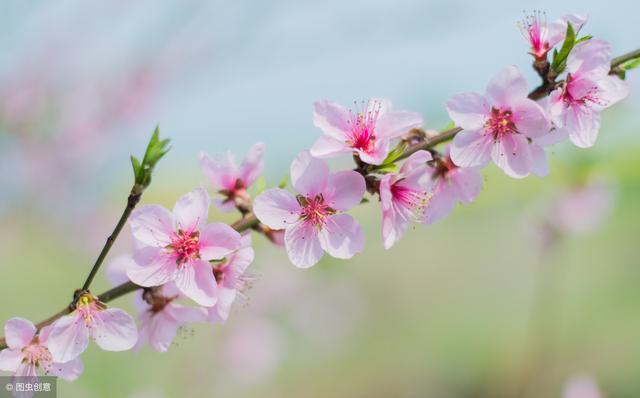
x=117 y=269
x=309 y=175
x=302 y=244
x=331 y=118
x=192 y=210
x=377 y=155
x=162 y=329
x=326 y=147
x=441 y=204
x=276 y=208
x=508 y=85
x=197 y=282
x=224 y=205
x=467 y=183
x=393 y=124
x=19 y=332
x=513 y=155
x=10 y=359
x=539 y=164
x=160 y=269
x=238 y=262
x=341 y=236
x=468 y=110
x=252 y=166
x=590 y=59
x=220 y=312
x=610 y=91
x=344 y=190
x=68 y=371
x=217 y=240
x=529 y=118
x=416 y=160
x=582 y=125
x=69 y=337
x=114 y=330
x=152 y=225
x=393 y=227
x=471 y=149
x=222 y=173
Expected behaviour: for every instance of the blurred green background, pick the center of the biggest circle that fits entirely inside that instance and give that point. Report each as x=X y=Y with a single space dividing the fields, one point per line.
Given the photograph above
x=471 y=307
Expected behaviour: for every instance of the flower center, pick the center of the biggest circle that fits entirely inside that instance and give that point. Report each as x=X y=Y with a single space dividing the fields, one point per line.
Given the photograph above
x=37 y=355
x=185 y=246
x=590 y=97
x=363 y=127
x=314 y=210
x=87 y=306
x=534 y=29
x=500 y=123
x=412 y=201
x=443 y=166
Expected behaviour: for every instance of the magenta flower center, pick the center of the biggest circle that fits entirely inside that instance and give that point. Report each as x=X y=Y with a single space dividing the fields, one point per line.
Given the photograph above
x=413 y=200
x=534 y=29
x=185 y=246
x=590 y=97
x=314 y=209
x=37 y=355
x=363 y=126
x=500 y=123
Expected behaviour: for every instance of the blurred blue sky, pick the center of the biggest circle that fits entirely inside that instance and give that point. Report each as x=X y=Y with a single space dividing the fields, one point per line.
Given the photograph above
x=230 y=73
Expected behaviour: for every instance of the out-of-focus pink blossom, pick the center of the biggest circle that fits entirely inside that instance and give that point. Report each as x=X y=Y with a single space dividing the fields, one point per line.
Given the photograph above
x=178 y=247
x=583 y=208
x=367 y=134
x=111 y=328
x=404 y=196
x=451 y=184
x=253 y=349
x=231 y=278
x=588 y=89
x=543 y=36
x=582 y=387
x=311 y=220
x=28 y=352
x=231 y=180
x=499 y=126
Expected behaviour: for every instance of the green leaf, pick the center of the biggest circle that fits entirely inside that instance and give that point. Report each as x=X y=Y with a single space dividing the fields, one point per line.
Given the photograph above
x=283 y=182
x=156 y=149
x=584 y=38
x=261 y=185
x=560 y=57
x=631 y=64
x=136 y=166
x=394 y=154
x=387 y=168
x=364 y=200
x=449 y=126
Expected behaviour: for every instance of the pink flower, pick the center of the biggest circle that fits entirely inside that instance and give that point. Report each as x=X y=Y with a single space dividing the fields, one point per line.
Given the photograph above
x=582 y=209
x=588 y=89
x=111 y=328
x=232 y=280
x=543 y=36
x=27 y=352
x=161 y=316
x=404 y=197
x=311 y=219
x=230 y=179
x=178 y=247
x=498 y=126
x=451 y=184
x=582 y=387
x=367 y=134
